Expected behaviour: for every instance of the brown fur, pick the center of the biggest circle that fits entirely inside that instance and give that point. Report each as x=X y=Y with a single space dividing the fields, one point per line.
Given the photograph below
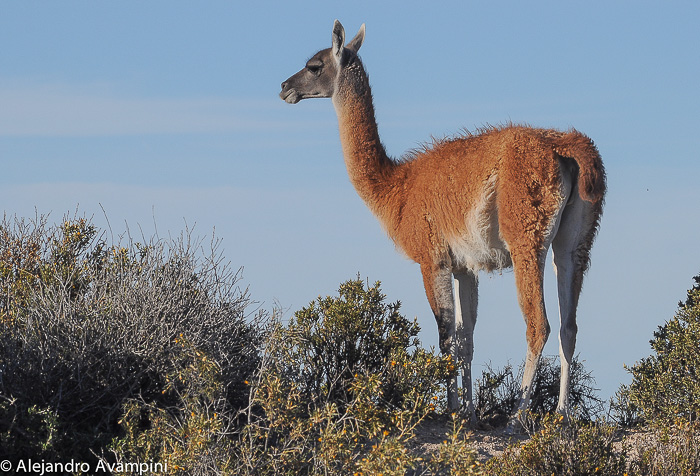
x=427 y=196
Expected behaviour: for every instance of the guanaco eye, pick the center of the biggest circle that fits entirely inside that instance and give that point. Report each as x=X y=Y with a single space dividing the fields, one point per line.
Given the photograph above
x=314 y=66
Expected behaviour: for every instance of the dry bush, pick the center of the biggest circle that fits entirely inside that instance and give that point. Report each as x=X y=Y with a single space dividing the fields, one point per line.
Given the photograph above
x=673 y=451
x=497 y=392
x=342 y=389
x=89 y=326
x=564 y=449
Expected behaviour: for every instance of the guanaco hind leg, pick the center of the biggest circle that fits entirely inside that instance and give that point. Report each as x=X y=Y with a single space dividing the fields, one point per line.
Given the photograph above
x=571 y=248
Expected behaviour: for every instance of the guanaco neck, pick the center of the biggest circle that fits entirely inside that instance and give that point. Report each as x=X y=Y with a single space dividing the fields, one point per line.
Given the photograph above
x=371 y=170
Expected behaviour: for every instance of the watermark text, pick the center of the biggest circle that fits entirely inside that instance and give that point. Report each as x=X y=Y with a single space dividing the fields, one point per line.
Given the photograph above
x=42 y=467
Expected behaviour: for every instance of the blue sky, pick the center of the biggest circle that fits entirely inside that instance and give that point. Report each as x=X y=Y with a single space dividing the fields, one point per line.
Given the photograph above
x=166 y=115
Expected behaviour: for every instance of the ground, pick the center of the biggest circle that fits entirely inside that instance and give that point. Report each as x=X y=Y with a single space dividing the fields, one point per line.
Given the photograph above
x=490 y=442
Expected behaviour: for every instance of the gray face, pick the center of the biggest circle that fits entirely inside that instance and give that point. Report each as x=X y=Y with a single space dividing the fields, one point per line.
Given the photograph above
x=316 y=80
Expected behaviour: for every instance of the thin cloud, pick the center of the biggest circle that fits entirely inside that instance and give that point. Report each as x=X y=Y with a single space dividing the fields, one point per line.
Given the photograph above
x=55 y=110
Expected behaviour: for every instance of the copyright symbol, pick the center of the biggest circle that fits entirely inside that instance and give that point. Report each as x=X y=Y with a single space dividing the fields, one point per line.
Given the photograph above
x=6 y=465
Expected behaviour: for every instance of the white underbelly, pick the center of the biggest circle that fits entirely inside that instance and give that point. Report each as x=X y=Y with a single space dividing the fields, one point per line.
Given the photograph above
x=480 y=246
x=479 y=252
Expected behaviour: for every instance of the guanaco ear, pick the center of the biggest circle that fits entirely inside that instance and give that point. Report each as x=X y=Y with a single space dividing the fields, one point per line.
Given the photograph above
x=338 y=41
x=356 y=42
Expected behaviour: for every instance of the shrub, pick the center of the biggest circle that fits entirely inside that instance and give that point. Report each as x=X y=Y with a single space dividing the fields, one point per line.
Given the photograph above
x=455 y=456
x=666 y=386
x=89 y=327
x=327 y=344
x=573 y=449
x=671 y=451
x=341 y=390
x=191 y=435
x=497 y=392
x=622 y=411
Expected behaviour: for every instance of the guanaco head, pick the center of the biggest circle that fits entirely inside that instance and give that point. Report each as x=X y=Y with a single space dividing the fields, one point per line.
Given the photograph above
x=319 y=77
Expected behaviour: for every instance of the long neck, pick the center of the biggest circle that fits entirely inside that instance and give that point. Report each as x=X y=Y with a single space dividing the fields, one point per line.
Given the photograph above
x=369 y=167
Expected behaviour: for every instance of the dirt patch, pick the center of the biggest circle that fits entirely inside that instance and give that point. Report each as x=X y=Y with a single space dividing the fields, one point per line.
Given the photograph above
x=488 y=442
